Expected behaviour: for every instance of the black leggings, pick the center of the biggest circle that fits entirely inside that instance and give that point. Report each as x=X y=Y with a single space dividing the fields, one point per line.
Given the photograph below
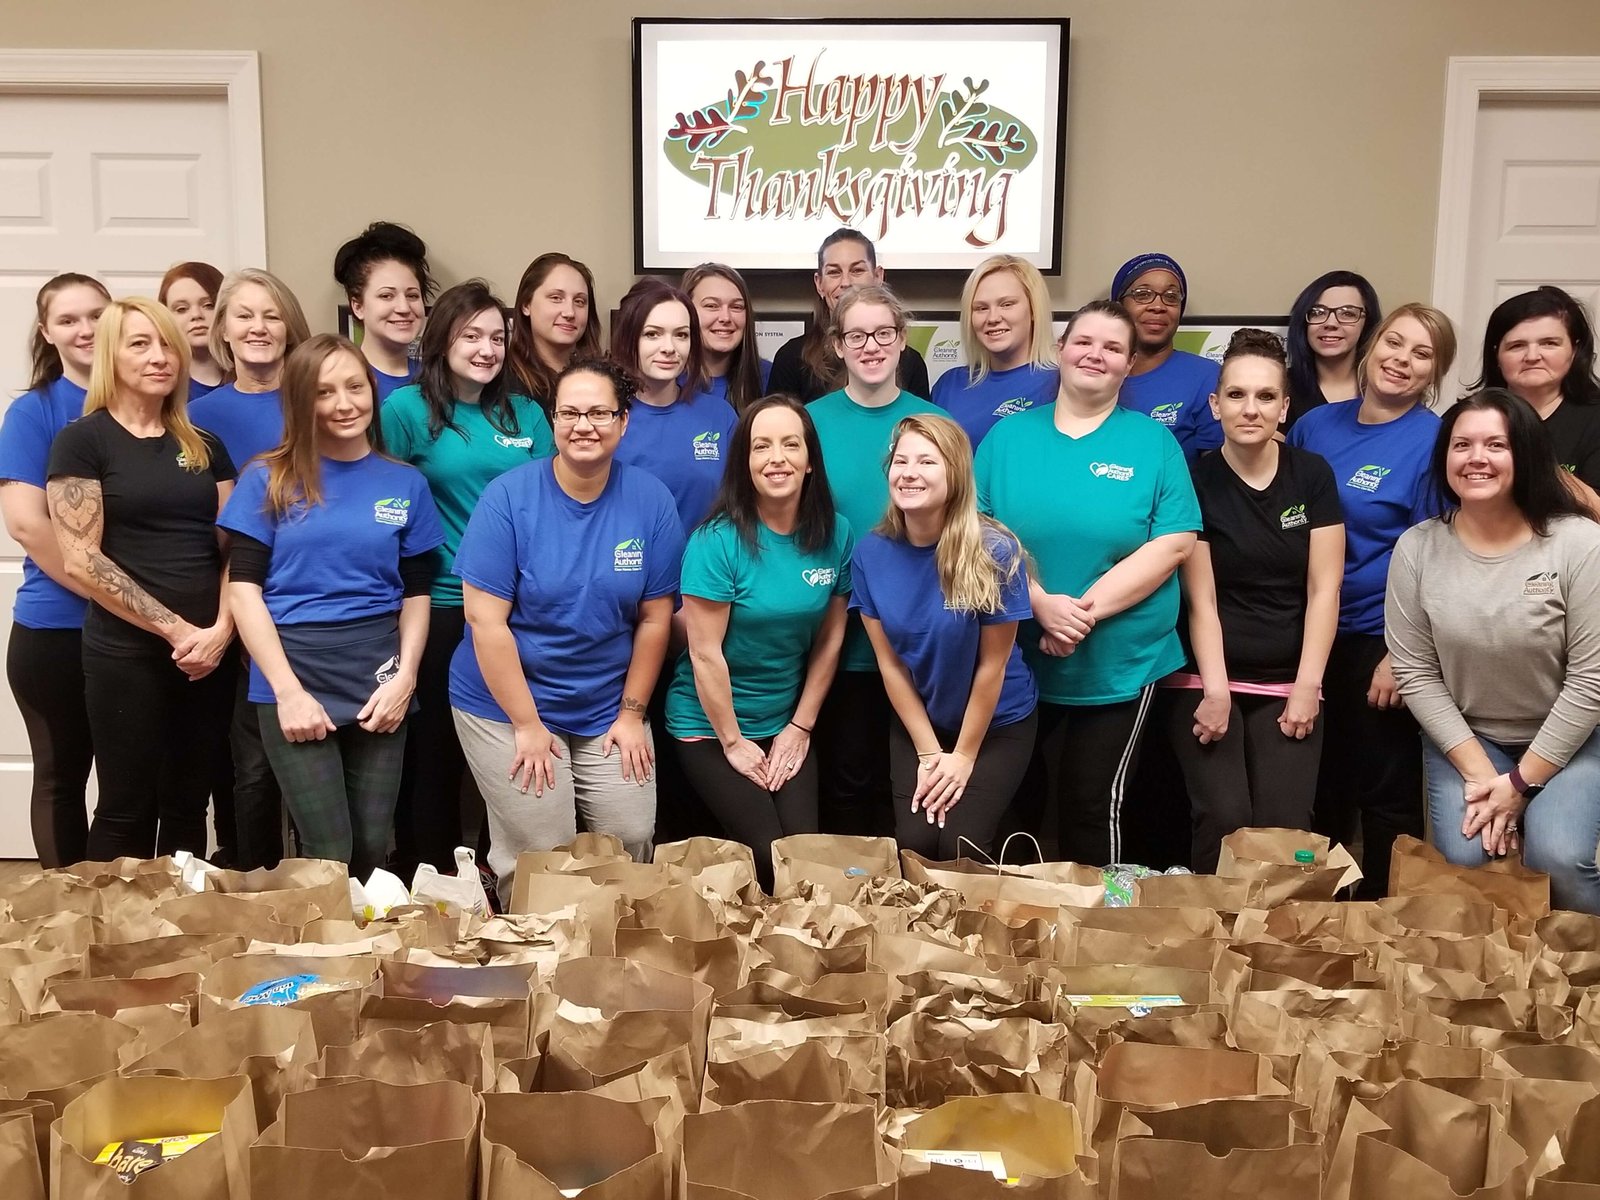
x=996 y=774
x=1084 y=757
x=257 y=799
x=155 y=737
x=852 y=741
x=439 y=803
x=1371 y=763
x=45 y=670
x=749 y=813
x=1254 y=776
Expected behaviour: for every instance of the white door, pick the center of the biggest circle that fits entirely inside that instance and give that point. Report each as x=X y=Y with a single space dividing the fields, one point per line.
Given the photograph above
x=1535 y=215
x=117 y=186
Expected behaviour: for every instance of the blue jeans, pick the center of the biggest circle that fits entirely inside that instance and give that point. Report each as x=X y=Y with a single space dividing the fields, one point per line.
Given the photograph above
x=1560 y=827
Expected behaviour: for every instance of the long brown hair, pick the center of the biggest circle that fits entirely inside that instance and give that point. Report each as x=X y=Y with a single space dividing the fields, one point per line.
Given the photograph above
x=46 y=365
x=537 y=377
x=744 y=366
x=195 y=454
x=633 y=314
x=294 y=468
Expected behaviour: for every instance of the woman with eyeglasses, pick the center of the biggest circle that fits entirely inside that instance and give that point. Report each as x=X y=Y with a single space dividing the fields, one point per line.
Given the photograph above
x=855 y=426
x=569 y=569
x=1009 y=345
x=1378 y=448
x=1540 y=346
x=1330 y=327
x=463 y=423
x=1170 y=386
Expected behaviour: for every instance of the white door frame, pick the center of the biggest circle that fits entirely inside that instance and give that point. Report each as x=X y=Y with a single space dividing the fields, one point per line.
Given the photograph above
x=1470 y=82
x=236 y=76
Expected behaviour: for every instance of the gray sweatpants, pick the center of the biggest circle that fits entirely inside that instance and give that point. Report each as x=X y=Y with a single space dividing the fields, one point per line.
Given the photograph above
x=587 y=782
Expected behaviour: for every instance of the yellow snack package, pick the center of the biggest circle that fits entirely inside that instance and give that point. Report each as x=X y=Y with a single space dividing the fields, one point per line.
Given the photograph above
x=137 y=1155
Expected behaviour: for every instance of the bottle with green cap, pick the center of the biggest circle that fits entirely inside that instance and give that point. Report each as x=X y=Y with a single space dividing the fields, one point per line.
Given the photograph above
x=1305 y=858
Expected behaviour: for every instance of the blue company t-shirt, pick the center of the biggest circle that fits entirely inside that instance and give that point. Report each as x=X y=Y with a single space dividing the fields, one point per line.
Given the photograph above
x=898 y=584
x=1382 y=473
x=389 y=383
x=575 y=575
x=976 y=407
x=198 y=389
x=718 y=386
x=246 y=423
x=1177 y=394
x=683 y=444
x=30 y=425
x=855 y=443
x=1080 y=506
x=338 y=560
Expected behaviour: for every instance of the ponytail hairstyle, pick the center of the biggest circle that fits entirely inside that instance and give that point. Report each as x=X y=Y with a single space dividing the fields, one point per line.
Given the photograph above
x=1441 y=334
x=633 y=314
x=381 y=242
x=456 y=307
x=744 y=366
x=289 y=311
x=46 y=365
x=738 y=502
x=1041 y=350
x=195 y=455
x=294 y=467
x=971 y=574
x=816 y=351
x=537 y=377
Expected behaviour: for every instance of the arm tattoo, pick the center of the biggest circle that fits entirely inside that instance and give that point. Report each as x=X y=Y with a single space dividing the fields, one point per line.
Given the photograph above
x=629 y=704
x=78 y=510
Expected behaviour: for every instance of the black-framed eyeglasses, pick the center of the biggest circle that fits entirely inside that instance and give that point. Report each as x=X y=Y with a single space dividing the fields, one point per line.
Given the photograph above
x=598 y=417
x=884 y=336
x=1172 y=297
x=1345 y=314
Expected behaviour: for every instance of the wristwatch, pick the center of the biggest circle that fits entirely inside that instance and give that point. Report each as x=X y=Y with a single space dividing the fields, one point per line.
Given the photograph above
x=1523 y=788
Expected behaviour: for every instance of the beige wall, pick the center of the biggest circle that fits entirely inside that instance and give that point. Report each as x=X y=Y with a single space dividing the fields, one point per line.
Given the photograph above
x=1259 y=141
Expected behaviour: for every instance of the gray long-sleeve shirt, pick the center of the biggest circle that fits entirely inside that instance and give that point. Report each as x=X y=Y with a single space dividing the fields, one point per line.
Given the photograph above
x=1507 y=647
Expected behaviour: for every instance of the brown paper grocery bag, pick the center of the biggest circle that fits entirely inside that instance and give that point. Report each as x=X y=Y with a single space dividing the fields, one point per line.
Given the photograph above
x=545 y=1146
x=1199 y=891
x=124 y=960
x=152 y=1106
x=335 y=1015
x=263 y=1044
x=60 y=1056
x=45 y=893
x=842 y=864
x=784 y=1150
x=410 y=995
x=24 y=1148
x=1039 y=1142
x=1569 y=1169
x=613 y=1012
x=725 y=869
x=1010 y=892
x=806 y=1072
x=366 y=1139
x=299 y=890
x=1264 y=1149
x=931 y=1058
x=444 y=1050
x=1573 y=942
x=1268 y=857
x=64 y=933
x=226 y=916
x=718 y=962
x=1416 y=868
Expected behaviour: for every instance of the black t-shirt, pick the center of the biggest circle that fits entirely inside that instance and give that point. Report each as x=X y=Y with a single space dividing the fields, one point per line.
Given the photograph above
x=1260 y=545
x=791 y=376
x=159 y=524
x=1574 y=431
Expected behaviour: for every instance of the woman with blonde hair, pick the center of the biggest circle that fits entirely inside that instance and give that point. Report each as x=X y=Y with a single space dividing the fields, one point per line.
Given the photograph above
x=330 y=566
x=940 y=590
x=134 y=492
x=1379 y=447
x=44 y=657
x=1009 y=345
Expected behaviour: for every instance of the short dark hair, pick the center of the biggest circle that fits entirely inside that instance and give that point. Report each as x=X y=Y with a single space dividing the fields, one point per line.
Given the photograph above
x=1580 y=385
x=1305 y=389
x=381 y=242
x=1537 y=487
x=736 y=497
x=455 y=308
x=623 y=384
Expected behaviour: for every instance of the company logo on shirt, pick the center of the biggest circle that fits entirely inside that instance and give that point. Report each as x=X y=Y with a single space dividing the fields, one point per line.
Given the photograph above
x=708 y=447
x=1570 y=468
x=946 y=351
x=1368 y=478
x=389 y=669
x=820 y=576
x=1106 y=470
x=1293 y=517
x=1542 y=584
x=1012 y=407
x=513 y=443
x=183 y=460
x=628 y=556
x=1167 y=414
x=392 y=511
